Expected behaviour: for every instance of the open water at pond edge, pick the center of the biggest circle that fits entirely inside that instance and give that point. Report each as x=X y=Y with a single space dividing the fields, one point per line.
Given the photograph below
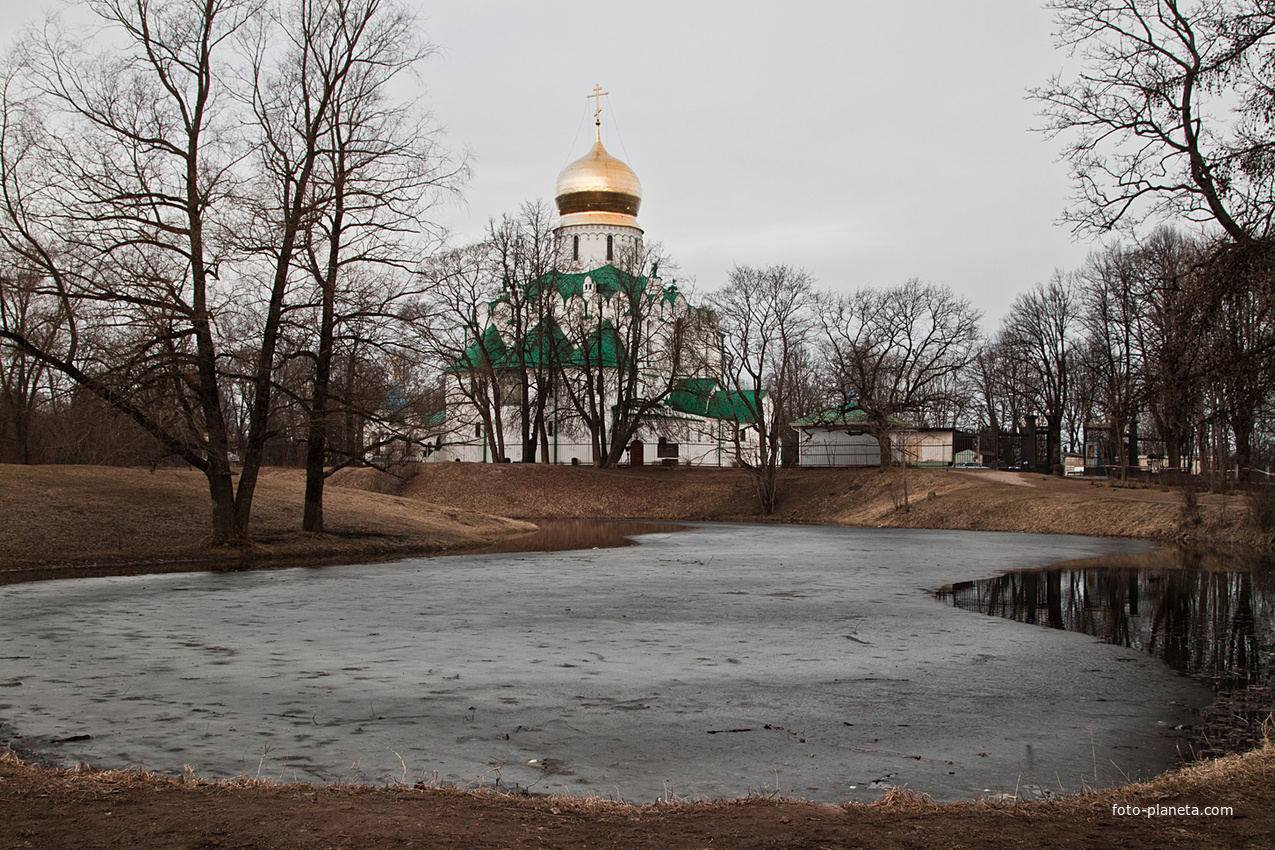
x=1209 y=615
x=711 y=662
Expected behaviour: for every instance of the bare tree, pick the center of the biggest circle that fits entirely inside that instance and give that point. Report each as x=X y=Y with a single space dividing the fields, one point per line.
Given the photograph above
x=164 y=199
x=522 y=254
x=26 y=383
x=892 y=351
x=1146 y=115
x=115 y=179
x=1172 y=337
x=1113 y=296
x=377 y=168
x=766 y=320
x=455 y=325
x=997 y=387
x=1039 y=335
x=1238 y=296
x=1146 y=326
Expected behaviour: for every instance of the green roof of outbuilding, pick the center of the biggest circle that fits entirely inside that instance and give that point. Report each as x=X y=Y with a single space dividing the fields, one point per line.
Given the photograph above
x=847 y=414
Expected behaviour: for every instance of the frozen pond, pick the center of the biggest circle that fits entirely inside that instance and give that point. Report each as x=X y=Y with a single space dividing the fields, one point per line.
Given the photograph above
x=709 y=662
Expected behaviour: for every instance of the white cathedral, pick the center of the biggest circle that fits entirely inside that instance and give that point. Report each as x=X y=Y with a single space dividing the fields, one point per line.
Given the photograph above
x=635 y=371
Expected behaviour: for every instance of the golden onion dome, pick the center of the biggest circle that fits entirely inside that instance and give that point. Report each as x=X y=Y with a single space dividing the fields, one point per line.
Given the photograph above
x=598 y=183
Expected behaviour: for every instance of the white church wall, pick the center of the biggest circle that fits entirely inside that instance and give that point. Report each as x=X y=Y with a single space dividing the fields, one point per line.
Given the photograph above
x=592 y=245
x=698 y=441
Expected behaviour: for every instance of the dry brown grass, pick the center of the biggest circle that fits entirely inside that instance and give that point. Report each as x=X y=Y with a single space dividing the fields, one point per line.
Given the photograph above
x=978 y=500
x=75 y=515
x=1237 y=779
x=89 y=808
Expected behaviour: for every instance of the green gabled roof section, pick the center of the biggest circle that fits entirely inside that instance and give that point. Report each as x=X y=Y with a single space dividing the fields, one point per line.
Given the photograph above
x=601 y=347
x=607 y=281
x=847 y=415
x=702 y=397
x=670 y=294
x=546 y=345
x=692 y=396
x=737 y=405
x=486 y=352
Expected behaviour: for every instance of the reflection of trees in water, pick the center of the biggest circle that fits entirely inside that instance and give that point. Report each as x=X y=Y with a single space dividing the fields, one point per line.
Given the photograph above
x=1217 y=626
x=1202 y=615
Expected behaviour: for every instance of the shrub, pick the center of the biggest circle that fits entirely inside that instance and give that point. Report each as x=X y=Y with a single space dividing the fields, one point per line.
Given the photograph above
x=1261 y=506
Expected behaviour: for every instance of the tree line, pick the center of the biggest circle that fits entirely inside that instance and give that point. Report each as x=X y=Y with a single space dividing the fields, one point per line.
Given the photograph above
x=1168 y=341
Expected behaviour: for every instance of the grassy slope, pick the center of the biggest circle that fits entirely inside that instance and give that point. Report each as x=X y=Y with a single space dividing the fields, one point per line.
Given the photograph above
x=56 y=515
x=939 y=498
x=87 y=514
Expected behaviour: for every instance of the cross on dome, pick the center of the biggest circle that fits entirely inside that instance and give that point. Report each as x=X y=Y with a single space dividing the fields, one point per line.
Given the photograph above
x=597 y=96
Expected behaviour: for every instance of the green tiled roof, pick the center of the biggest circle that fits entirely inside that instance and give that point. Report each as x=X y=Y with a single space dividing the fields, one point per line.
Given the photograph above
x=693 y=396
x=701 y=397
x=489 y=351
x=545 y=344
x=607 y=281
x=602 y=347
x=738 y=406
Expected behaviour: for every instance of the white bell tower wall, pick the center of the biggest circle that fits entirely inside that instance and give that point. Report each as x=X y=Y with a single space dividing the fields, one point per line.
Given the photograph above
x=584 y=247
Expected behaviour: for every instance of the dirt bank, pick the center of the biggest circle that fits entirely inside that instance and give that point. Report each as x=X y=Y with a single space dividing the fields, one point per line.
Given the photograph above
x=84 y=520
x=88 y=809
x=976 y=500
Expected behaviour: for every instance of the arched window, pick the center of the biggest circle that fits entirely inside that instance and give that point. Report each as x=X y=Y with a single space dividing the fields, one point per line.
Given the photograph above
x=575 y=247
x=610 y=248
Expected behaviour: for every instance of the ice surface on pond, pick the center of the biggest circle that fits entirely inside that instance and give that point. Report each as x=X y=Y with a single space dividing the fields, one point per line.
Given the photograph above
x=709 y=662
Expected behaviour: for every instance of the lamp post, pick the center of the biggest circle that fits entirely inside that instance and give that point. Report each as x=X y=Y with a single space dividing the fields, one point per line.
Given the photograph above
x=906 y=432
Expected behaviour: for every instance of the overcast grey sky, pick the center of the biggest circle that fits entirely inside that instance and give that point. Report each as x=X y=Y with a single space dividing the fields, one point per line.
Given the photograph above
x=866 y=142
